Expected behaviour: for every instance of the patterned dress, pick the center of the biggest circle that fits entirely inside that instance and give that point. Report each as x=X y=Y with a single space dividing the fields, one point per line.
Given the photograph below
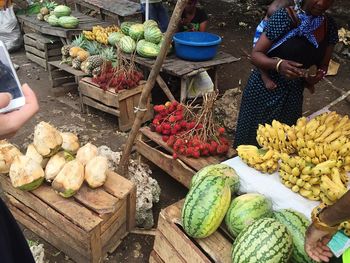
x=260 y=105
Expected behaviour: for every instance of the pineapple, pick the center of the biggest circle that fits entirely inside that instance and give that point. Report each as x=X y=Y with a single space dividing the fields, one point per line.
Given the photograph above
x=73 y=52
x=65 y=50
x=108 y=54
x=94 y=62
x=79 y=41
x=96 y=71
x=76 y=46
x=82 y=55
x=94 y=48
x=76 y=64
x=83 y=66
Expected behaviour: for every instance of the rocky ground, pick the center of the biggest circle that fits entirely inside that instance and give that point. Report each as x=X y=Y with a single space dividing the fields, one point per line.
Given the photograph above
x=235 y=21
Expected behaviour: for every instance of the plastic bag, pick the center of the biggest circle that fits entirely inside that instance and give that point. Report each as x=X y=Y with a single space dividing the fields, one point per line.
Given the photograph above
x=199 y=85
x=10 y=32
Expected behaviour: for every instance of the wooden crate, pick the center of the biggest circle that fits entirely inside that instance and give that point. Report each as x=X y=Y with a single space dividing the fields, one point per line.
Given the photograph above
x=120 y=104
x=85 y=227
x=63 y=77
x=173 y=245
x=151 y=146
x=41 y=49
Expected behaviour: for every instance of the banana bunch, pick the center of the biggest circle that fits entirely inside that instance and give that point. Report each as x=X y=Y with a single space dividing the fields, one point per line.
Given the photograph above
x=333 y=185
x=297 y=175
x=100 y=34
x=265 y=161
x=277 y=136
x=345 y=226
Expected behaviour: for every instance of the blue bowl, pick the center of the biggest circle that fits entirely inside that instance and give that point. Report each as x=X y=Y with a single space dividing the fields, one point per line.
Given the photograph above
x=196 y=46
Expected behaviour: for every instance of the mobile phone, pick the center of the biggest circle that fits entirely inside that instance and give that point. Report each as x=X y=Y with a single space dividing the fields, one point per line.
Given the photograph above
x=9 y=81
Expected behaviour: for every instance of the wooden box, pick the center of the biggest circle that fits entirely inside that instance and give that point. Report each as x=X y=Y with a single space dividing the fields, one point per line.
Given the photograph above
x=85 y=227
x=173 y=245
x=41 y=49
x=63 y=77
x=151 y=146
x=121 y=104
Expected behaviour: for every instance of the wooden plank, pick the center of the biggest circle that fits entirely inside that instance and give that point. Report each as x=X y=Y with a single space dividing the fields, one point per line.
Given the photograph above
x=31 y=42
x=69 y=241
x=76 y=213
x=131 y=210
x=35 y=51
x=100 y=106
x=122 y=8
x=37 y=60
x=96 y=245
x=57 y=73
x=195 y=164
x=166 y=251
x=175 y=168
x=67 y=68
x=117 y=185
x=105 y=97
x=115 y=241
x=108 y=221
x=30 y=200
x=60 y=81
x=54 y=52
x=107 y=235
x=97 y=200
x=155 y=258
x=43 y=39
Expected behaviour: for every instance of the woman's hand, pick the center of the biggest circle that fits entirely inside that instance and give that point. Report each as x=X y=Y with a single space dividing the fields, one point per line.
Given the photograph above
x=11 y=122
x=312 y=80
x=291 y=69
x=316 y=244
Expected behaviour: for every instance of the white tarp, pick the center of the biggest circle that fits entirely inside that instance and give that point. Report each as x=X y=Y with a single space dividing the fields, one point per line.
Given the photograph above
x=253 y=181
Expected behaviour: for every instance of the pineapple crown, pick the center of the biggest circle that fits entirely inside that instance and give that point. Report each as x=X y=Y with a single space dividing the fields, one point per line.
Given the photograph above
x=79 y=41
x=109 y=54
x=93 y=47
x=49 y=5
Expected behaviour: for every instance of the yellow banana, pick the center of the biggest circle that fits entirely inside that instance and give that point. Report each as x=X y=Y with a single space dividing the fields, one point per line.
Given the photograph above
x=342 y=122
x=312 y=125
x=307 y=170
x=295 y=171
x=315 y=160
x=320 y=130
x=295 y=188
x=307 y=186
x=291 y=135
x=304 y=192
x=318 y=150
x=300 y=182
x=327 y=150
x=335 y=176
x=347 y=168
x=325 y=134
x=347 y=160
x=345 y=149
x=333 y=155
x=305 y=177
x=314 y=197
x=325 y=199
x=288 y=184
x=301 y=122
x=301 y=143
x=314 y=180
x=332 y=137
x=316 y=190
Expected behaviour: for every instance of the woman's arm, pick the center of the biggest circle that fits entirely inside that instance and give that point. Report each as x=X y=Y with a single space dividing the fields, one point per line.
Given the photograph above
x=203 y=26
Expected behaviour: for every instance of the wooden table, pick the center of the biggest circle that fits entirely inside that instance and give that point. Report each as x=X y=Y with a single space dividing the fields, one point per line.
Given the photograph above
x=66 y=35
x=183 y=69
x=117 y=9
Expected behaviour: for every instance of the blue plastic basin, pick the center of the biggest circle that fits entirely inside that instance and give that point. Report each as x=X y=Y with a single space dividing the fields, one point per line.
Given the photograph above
x=196 y=46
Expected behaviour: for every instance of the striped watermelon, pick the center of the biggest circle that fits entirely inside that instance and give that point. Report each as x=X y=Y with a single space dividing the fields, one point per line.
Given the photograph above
x=136 y=31
x=264 y=241
x=147 y=49
x=246 y=209
x=206 y=205
x=125 y=26
x=217 y=169
x=297 y=225
x=153 y=34
x=127 y=44
x=150 y=23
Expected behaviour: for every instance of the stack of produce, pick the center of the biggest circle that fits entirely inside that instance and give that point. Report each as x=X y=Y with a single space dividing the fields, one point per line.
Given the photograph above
x=58 y=15
x=249 y=219
x=54 y=157
x=188 y=133
x=146 y=39
x=102 y=35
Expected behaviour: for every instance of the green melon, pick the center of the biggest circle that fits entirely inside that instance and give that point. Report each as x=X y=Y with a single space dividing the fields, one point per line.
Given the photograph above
x=246 y=209
x=136 y=32
x=62 y=10
x=53 y=20
x=217 y=169
x=147 y=49
x=206 y=205
x=127 y=44
x=153 y=34
x=297 y=225
x=264 y=241
x=68 y=22
x=150 y=23
x=125 y=26
x=113 y=38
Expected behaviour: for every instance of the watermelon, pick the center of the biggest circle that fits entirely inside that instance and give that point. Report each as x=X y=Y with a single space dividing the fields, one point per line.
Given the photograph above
x=114 y=38
x=53 y=20
x=297 y=224
x=206 y=205
x=264 y=241
x=125 y=26
x=68 y=22
x=153 y=34
x=147 y=49
x=62 y=10
x=150 y=23
x=136 y=31
x=246 y=209
x=217 y=169
x=127 y=44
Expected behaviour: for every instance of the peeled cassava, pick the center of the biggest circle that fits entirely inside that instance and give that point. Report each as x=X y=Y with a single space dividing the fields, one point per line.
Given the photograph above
x=56 y=163
x=69 y=179
x=7 y=154
x=86 y=153
x=70 y=142
x=33 y=153
x=96 y=171
x=25 y=173
x=47 y=140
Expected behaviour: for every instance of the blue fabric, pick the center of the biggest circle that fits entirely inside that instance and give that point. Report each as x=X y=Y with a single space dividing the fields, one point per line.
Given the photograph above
x=259 y=30
x=157 y=12
x=307 y=27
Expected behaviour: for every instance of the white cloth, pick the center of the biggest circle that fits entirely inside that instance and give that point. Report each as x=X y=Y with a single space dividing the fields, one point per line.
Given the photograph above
x=253 y=181
x=10 y=32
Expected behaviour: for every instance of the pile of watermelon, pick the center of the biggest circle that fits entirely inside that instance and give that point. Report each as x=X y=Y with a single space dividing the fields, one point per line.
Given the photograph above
x=261 y=234
x=146 y=39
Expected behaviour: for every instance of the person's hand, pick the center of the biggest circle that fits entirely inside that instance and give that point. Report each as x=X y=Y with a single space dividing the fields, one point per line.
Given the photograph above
x=291 y=69
x=316 y=244
x=312 y=80
x=11 y=122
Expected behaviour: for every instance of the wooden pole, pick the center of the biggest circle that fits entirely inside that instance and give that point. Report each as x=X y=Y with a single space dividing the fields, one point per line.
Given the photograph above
x=172 y=28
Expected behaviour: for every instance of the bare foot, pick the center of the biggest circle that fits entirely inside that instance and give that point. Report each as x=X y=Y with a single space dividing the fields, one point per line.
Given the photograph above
x=269 y=83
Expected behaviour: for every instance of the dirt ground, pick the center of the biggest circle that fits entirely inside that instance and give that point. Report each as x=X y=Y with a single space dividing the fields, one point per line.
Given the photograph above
x=236 y=25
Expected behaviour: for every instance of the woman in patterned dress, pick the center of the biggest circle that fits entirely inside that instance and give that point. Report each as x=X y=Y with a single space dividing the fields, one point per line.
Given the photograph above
x=291 y=43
